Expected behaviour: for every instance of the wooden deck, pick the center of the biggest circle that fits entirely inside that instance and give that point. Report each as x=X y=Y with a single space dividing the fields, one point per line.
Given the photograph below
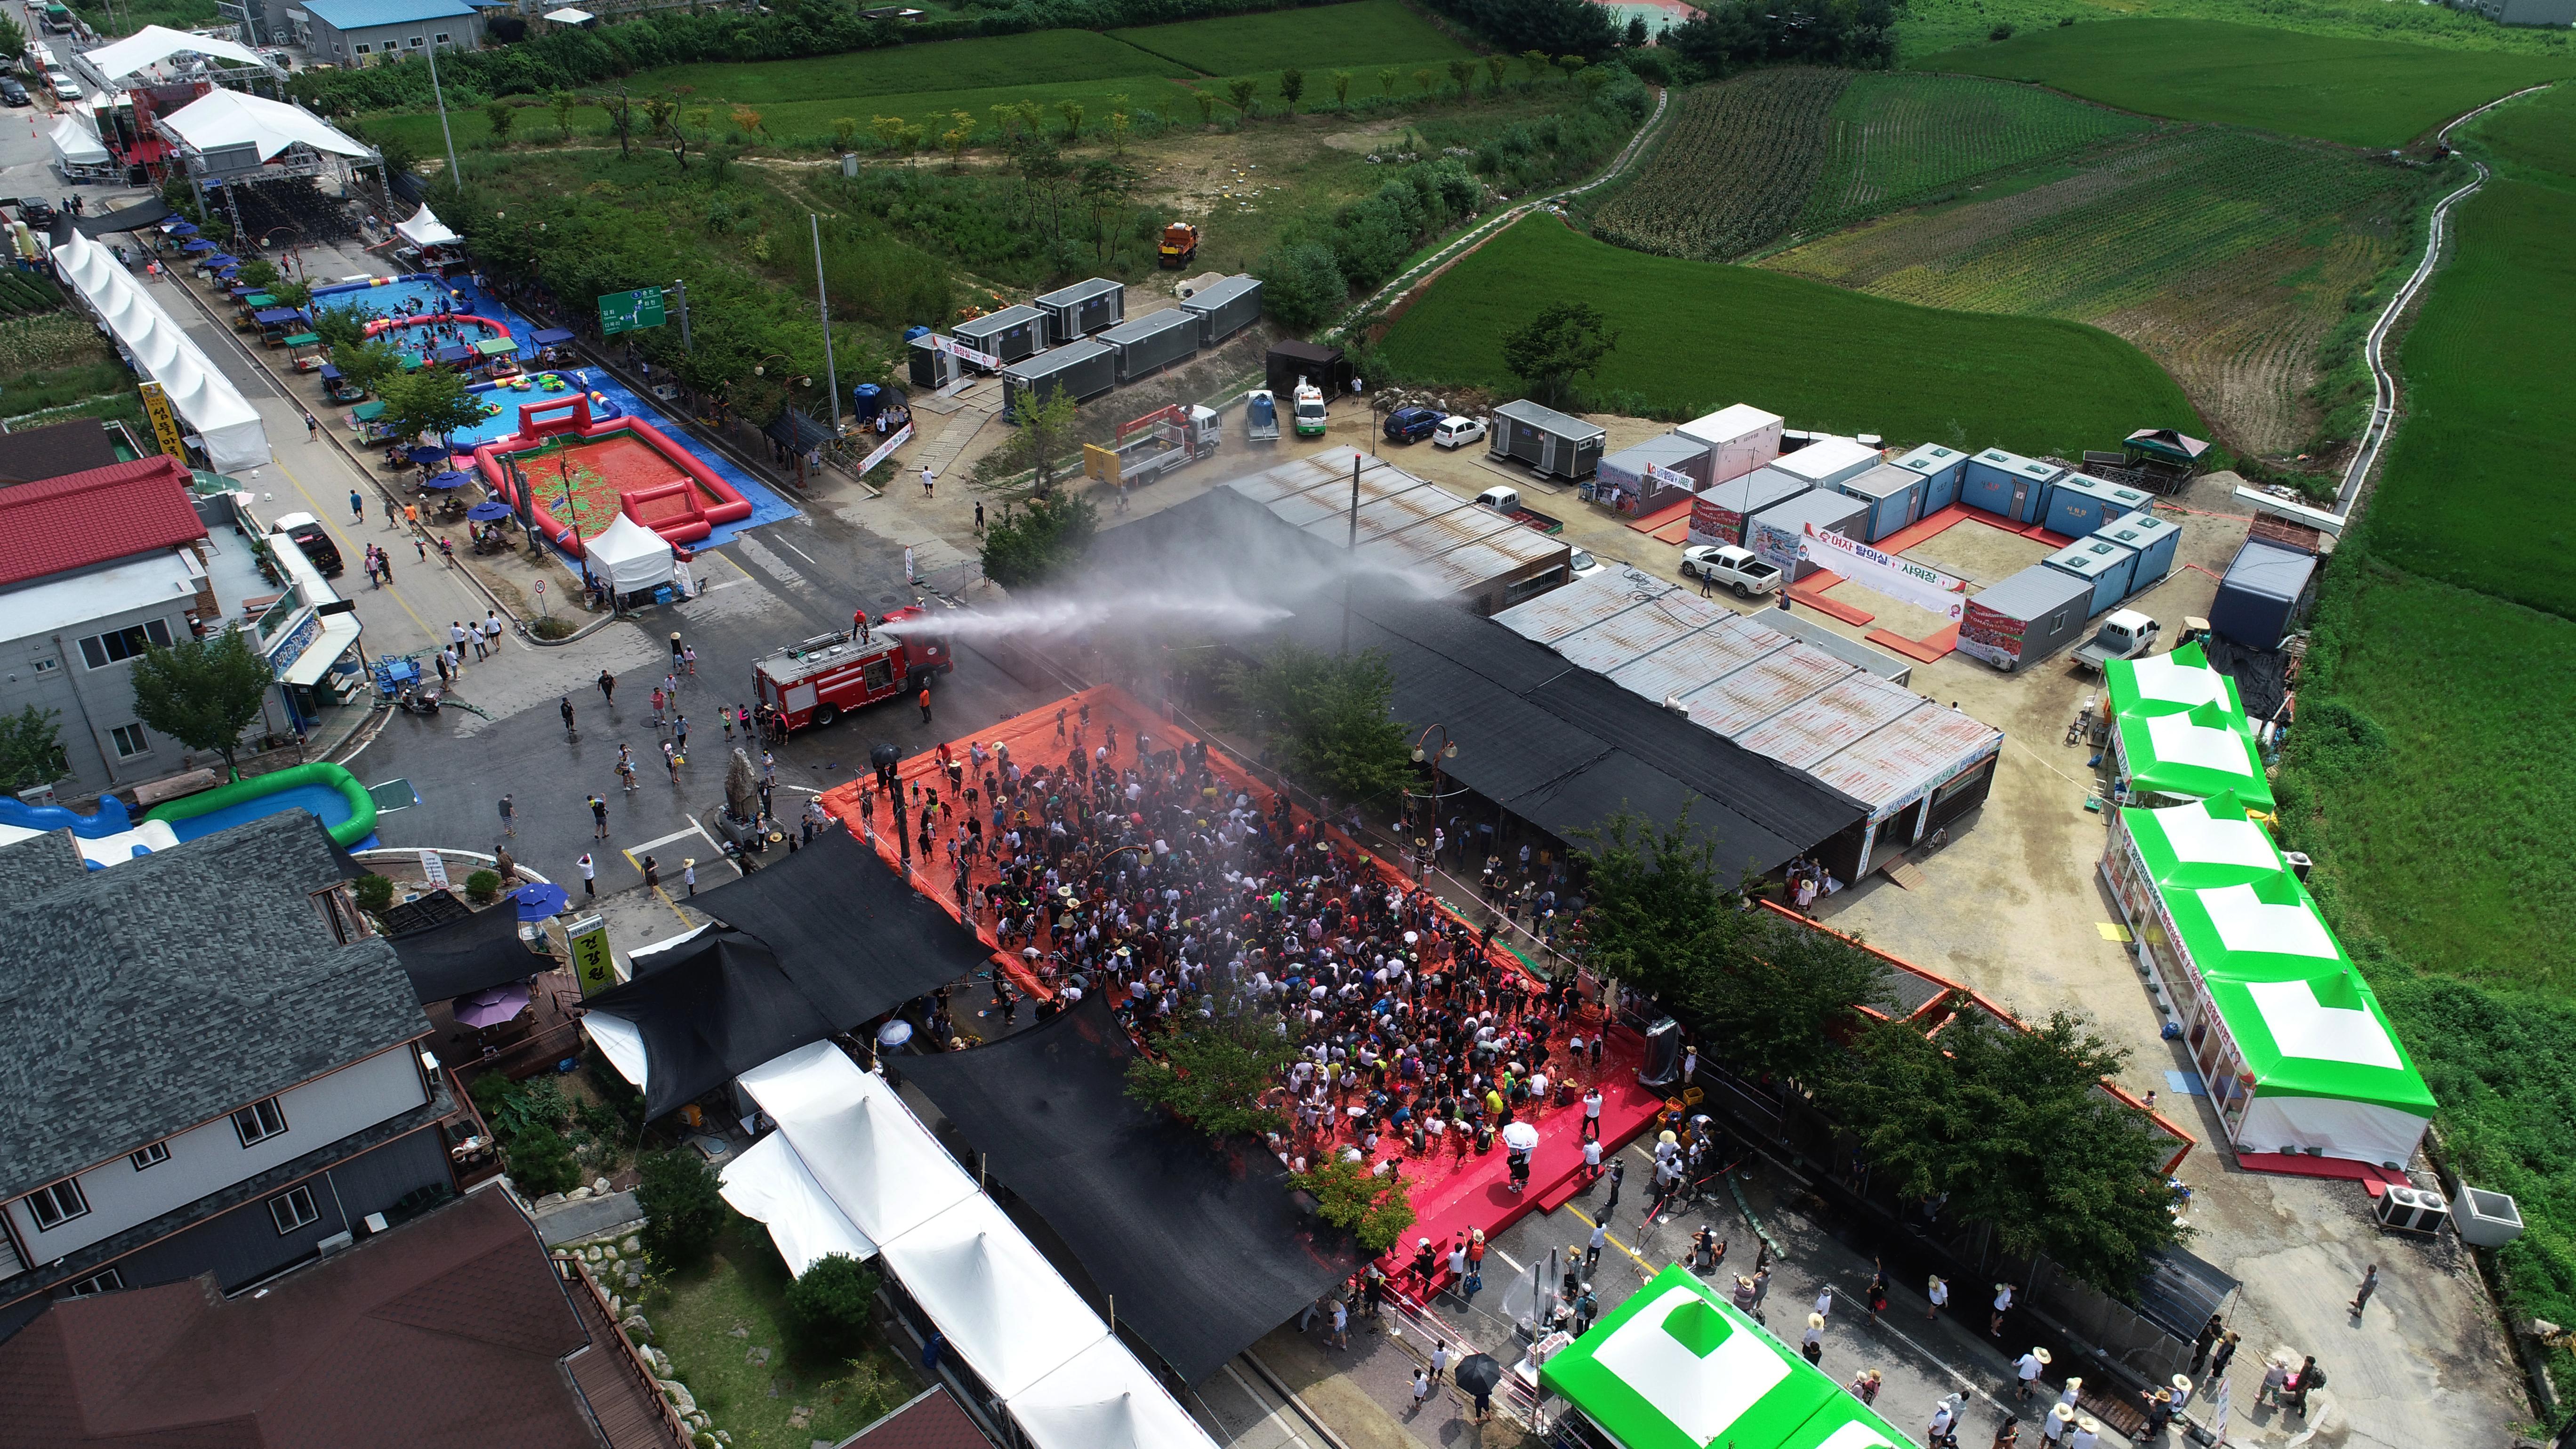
x=630 y=1411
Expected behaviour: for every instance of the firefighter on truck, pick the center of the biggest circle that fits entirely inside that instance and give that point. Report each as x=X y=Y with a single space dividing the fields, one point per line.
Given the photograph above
x=813 y=683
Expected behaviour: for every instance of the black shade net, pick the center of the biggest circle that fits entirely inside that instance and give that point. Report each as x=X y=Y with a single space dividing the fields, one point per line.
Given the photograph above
x=1198 y=1241
x=467 y=953
x=710 y=1009
x=855 y=938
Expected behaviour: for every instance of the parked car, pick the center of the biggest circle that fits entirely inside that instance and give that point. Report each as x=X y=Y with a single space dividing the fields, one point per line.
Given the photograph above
x=308 y=534
x=1736 y=568
x=14 y=94
x=36 y=212
x=1458 y=432
x=1585 y=565
x=65 y=89
x=1411 y=425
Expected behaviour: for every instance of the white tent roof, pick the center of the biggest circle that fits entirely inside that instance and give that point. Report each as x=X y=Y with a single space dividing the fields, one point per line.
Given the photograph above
x=235 y=439
x=229 y=118
x=1005 y=1309
x=633 y=556
x=2165 y=679
x=75 y=142
x=570 y=16
x=1104 y=1399
x=769 y=1183
x=426 y=230
x=863 y=1145
x=154 y=44
x=2178 y=739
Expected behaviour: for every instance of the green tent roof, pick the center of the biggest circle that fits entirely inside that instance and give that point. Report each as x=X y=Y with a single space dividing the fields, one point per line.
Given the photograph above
x=2182 y=729
x=2168 y=683
x=1677 y=1367
x=367 y=412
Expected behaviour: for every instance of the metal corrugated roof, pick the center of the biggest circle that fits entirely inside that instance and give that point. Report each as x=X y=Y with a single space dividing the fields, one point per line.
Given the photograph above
x=1582 y=604
x=1885 y=480
x=1628 y=635
x=1441 y=533
x=1823 y=725
x=1775 y=682
x=1909 y=756
x=1699 y=660
x=1388 y=513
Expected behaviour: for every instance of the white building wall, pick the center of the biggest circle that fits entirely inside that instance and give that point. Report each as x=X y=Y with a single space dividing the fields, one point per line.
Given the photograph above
x=210 y=1157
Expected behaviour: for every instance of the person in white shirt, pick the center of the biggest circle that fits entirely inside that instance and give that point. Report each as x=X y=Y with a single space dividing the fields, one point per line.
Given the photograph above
x=2088 y=1433
x=1939 y=1292
x=1591 y=1109
x=2028 y=1367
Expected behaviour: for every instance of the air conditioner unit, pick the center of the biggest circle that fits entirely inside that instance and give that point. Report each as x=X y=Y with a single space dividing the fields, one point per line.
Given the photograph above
x=2412 y=1210
x=336 y=1242
x=38 y=795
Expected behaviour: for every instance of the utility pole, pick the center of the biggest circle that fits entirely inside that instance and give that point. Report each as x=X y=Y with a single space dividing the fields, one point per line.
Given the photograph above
x=455 y=177
x=823 y=304
x=679 y=293
x=1353 y=548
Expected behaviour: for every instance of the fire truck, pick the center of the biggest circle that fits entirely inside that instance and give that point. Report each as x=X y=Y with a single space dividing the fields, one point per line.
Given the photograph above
x=813 y=682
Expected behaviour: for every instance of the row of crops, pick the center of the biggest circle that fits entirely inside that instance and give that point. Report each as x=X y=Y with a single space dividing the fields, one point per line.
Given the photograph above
x=1902 y=140
x=24 y=294
x=1735 y=168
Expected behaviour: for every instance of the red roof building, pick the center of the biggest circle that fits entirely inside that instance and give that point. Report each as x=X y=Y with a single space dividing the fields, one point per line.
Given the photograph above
x=81 y=520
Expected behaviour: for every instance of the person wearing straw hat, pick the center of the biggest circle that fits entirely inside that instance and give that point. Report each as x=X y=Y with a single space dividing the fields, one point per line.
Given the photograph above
x=2054 y=1428
x=2003 y=1305
x=1743 y=1294
x=1813 y=1344
x=2074 y=1389
x=2160 y=1410
x=2028 y=1367
x=2181 y=1393
x=2088 y=1433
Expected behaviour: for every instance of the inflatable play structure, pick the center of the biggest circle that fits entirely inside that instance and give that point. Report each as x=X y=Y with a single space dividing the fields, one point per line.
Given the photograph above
x=110 y=837
x=600 y=467
x=387 y=324
x=331 y=793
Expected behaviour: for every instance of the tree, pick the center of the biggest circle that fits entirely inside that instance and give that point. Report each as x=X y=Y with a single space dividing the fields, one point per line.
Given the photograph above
x=1536 y=63
x=1342 y=87
x=340 y=326
x=13 y=39
x=1072 y=113
x=747 y=121
x=1207 y=106
x=1424 y=78
x=367 y=362
x=31 y=749
x=1388 y=79
x=1044 y=418
x=1462 y=73
x=259 y=275
x=831 y=1307
x=500 y=114
x=1106 y=188
x=1593 y=79
x=958 y=137
x=1658 y=900
x=1636 y=30
x=203 y=692
x=621 y=118
x=1301 y=283
x=1777 y=998
x=292 y=294
x=541 y=1162
x=1330 y=717
x=561 y=103
x=1215 y=1072
x=1046 y=539
x=1292 y=84
x=1566 y=340
x=432 y=401
x=1495 y=65
x=1240 y=91
x=683 y=1207
x=1375 y=1207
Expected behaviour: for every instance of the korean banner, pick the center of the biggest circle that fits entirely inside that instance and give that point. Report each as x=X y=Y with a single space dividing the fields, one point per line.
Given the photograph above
x=1884 y=573
x=885 y=449
x=962 y=352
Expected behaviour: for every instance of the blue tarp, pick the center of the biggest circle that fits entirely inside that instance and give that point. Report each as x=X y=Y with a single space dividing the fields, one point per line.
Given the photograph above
x=550 y=337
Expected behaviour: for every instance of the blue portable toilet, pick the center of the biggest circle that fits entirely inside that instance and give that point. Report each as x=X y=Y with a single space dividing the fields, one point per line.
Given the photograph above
x=2108 y=567
x=2007 y=483
x=2155 y=540
x=868 y=400
x=1940 y=468
x=2079 y=505
x=916 y=330
x=1894 y=496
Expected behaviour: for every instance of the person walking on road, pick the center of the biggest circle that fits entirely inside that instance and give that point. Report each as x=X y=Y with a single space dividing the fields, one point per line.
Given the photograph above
x=1761 y=1290
x=607 y=687
x=626 y=768
x=929 y=482
x=680 y=734
x=598 y=818
x=357 y=507
x=652 y=875
x=1812 y=1345
x=1938 y=1292
x=509 y=817
x=589 y=872
x=1592 y=1250
x=2028 y=1369
x=312 y=428
x=689 y=874
x=671 y=761
x=1618 y=1174
x=925 y=704
x=2003 y=1305
x=2369 y=1285
x=566 y=706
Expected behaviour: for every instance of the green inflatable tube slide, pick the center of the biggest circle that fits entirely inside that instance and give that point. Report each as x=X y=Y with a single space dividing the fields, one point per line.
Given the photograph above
x=362 y=809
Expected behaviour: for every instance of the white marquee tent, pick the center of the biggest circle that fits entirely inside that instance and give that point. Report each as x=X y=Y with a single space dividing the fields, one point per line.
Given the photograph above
x=230 y=118
x=75 y=143
x=632 y=556
x=1104 y=1399
x=154 y=44
x=235 y=439
x=768 y=1183
x=426 y=230
x=871 y=1156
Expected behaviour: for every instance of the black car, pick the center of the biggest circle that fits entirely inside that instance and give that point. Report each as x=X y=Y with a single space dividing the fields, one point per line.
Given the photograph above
x=1411 y=425
x=14 y=94
x=36 y=212
x=308 y=535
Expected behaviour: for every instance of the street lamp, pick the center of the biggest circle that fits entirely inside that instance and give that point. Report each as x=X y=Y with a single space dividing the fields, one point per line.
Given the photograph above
x=1424 y=751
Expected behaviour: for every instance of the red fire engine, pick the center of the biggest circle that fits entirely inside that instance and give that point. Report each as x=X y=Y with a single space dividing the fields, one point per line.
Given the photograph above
x=813 y=682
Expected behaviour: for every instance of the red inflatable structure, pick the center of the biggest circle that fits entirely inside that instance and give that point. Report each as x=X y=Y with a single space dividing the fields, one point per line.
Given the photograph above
x=387 y=324
x=654 y=481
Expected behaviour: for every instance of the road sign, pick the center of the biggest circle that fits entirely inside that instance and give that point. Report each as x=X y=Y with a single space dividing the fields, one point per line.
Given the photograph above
x=630 y=311
x=165 y=428
x=592 y=964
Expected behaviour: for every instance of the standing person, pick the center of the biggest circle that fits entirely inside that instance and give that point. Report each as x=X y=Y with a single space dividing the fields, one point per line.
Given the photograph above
x=1878 y=1296
x=1592 y=1249
x=1938 y=1291
x=929 y=482
x=2007 y=1433
x=979 y=519
x=2027 y=1367
x=1825 y=1301
x=2308 y=1378
x=357 y=507
x=492 y=631
x=1865 y=1386
x=2159 y=1408
x=312 y=428
x=1761 y=1290
x=1813 y=1343
x=626 y=769
x=680 y=733
x=2276 y=1376
x=671 y=761
x=1476 y=1261
x=925 y=704
x=1618 y=1175
x=1439 y=1361
x=1341 y=1309
x=598 y=818
x=2003 y=1305
x=2201 y=1341
x=2369 y=1285
x=589 y=872
x=2054 y=1427
x=2219 y=1360
x=2088 y=1433
x=509 y=817
x=1592 y=1113
x=658 y=699
x=1421 y=1377
x=566 y=706
x=652 y=874
x=689 y=874
x=689 y=660
x=607 y=688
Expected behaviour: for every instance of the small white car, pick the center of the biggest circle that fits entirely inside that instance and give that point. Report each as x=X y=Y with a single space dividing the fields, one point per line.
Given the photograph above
x=1737 y=568
x=1458 y=432
x=1585 y=565
x=65 y=89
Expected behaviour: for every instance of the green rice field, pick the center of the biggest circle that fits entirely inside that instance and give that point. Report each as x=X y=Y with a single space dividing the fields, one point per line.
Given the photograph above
x=2333 y=88
x=1899 y=139
x=2533 y=138
x=1359 y=37
x=1695 y=336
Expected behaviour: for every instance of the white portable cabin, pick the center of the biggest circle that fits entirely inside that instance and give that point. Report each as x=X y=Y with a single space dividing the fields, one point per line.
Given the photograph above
x=1740 y=439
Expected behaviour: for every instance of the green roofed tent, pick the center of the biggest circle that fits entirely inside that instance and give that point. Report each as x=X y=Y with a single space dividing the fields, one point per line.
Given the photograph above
x=367 y=412
x=1677 y=1367
x=496 y=347
x=2178 y=730
x=2296 y=1052
x=2168 y=684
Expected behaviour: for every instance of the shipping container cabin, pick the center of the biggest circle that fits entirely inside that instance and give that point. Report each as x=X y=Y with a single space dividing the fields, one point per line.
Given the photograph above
x=1720 y=514
x=1224 y=309
x=1153 y=342
x=2153 y=539
x=1894 y=496
x=2111 y=568
x=1775 y=533
x=1622 y=481
x=932 y=369
x=2265 y=594
x=1081 y=370
x=2027 y=617
x=2079 y=505
x=1739 y=438
x=2007 y=483
x=1082 y=309
x=1293 y=362
x=1547 y=440
x=1828 y=461
x=1010 y=334
x=1941 y=469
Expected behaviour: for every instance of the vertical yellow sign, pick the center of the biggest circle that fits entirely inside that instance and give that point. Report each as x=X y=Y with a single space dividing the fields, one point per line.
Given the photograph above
x=165 y=426
x=593 y=965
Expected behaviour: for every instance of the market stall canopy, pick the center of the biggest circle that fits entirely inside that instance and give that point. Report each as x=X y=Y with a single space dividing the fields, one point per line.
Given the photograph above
x=232 y=118
x=551 y=337
x=457 y=353
x=706 y=1009
x=496 y=347
x=465 y=955
x=2193 y=754
x=854 y=934
x=570 y=16
x=1678 y=1367
x=632 y=556
x=863 y=1146
x=426 y=230
x=154 y=44
x=236 y=441
x=274 y=316
x=1199 y=1242
x=75 y=142
x=2168 y=683
x=769 y=1184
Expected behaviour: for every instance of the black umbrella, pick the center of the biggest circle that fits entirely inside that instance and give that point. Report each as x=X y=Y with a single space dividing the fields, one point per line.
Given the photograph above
x=884 y=755
x=1479 y=1374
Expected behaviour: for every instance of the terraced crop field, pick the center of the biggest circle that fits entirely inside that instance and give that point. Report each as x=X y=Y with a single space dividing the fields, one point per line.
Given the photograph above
x=1367 y=33
x=1694 y=336
x=2227 y=255
x=1902 y=140
x=1734 y=169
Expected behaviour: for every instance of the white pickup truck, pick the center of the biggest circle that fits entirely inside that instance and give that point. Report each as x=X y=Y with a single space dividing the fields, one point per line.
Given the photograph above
x=2125 y=634
x=1736 y=568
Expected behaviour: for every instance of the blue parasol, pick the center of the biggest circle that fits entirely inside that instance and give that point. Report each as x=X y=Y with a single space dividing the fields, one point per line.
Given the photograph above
x=424 y=456
x=196 y=244
x=536 y=902
x=179 y=228
x=488 y=510
x=444 y=481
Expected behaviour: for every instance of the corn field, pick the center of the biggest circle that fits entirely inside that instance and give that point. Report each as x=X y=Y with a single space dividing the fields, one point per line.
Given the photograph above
x=1736 y=169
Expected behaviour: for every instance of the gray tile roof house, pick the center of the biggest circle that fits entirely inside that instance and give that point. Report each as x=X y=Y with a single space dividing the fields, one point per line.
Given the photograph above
x=173 y=989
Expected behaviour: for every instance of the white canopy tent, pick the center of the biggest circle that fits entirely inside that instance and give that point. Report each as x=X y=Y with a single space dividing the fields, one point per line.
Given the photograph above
x=235 y=439
x=1005 y=1309
x=632 y=556
x=231 y=118
x=74 y=143
x=1102 y=1398
x=768 y=1183
x=426 y=230
x=154 y=44
x=861 y=1142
